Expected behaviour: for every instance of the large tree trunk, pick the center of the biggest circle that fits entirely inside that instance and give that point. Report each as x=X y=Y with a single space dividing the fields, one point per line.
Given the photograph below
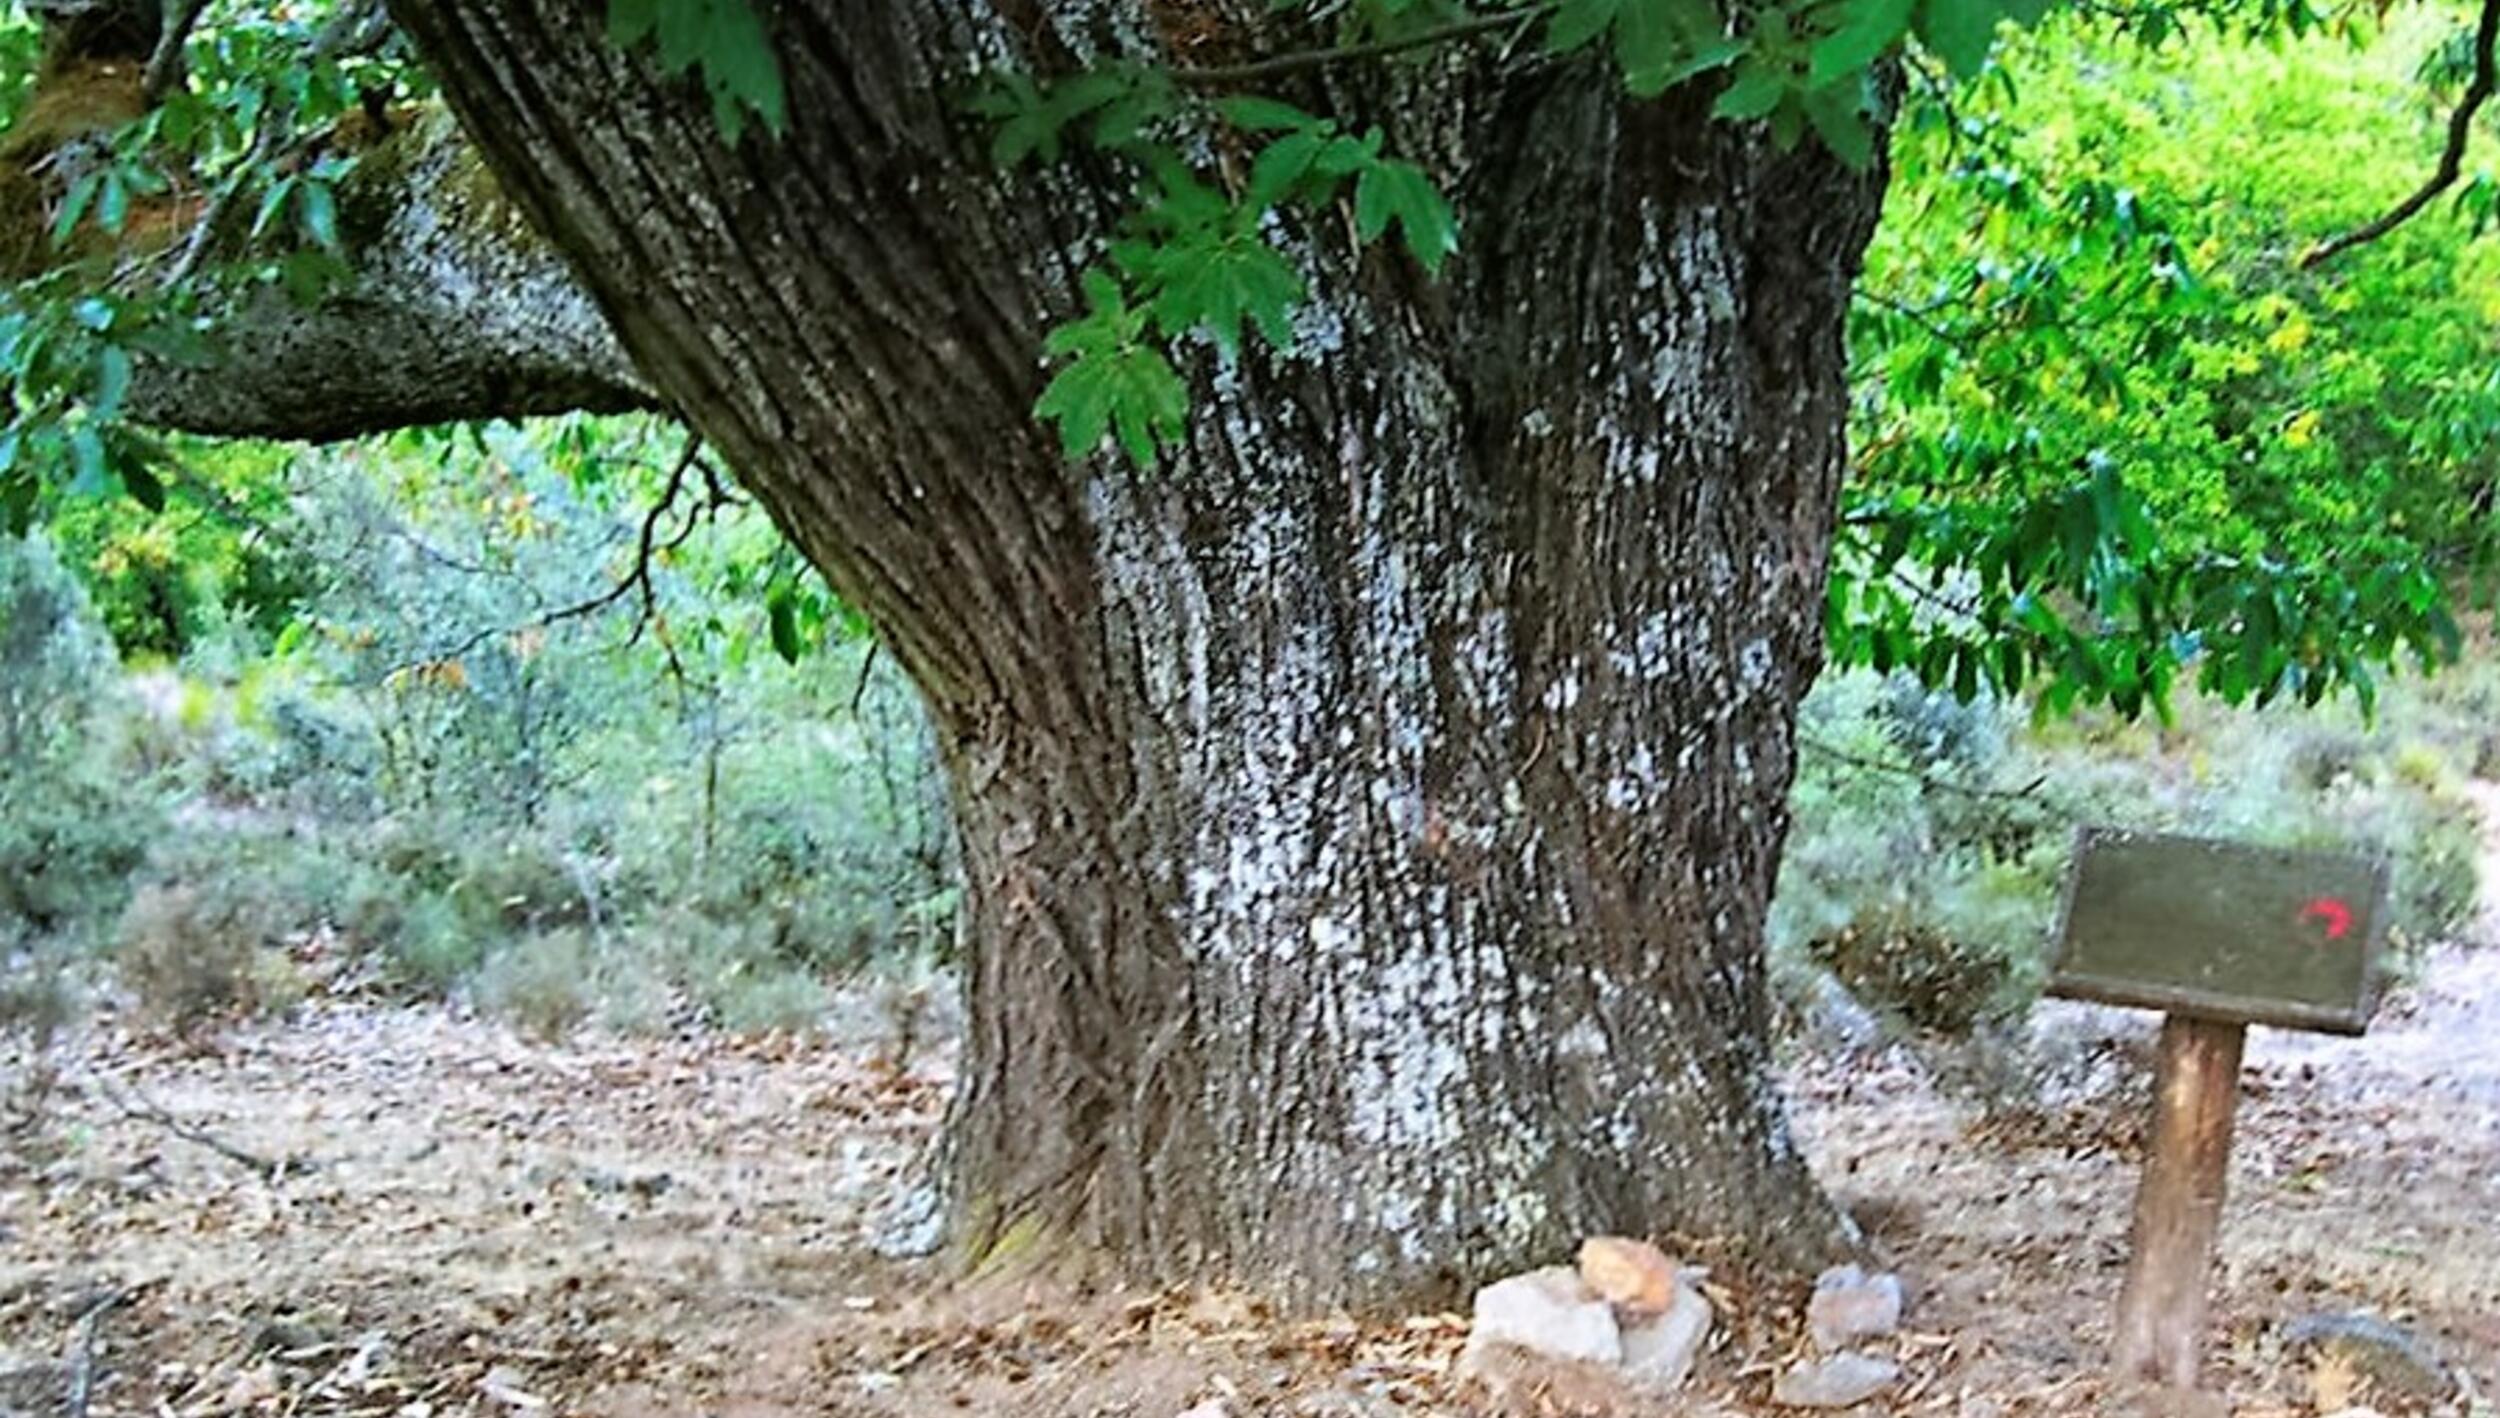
x=1369 y=816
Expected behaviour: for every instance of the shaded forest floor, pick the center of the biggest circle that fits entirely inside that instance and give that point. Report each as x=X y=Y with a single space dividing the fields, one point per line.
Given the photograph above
x=386 y=1210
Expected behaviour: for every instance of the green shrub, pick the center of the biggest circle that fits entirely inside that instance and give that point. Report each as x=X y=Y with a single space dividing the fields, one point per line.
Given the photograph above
x=431 y=947
x=38 y=993
x=542 y=983
x=75 y=816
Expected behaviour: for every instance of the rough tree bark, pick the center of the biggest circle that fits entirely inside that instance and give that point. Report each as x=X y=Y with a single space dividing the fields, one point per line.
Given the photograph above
x=1368 y=817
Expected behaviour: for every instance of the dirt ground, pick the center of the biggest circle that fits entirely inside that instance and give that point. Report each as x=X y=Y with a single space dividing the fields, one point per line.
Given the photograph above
x=385 y=1210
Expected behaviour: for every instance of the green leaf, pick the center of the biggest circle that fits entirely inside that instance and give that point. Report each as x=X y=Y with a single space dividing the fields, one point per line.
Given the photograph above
x=631 y=21
x=1395 y=191
x=1217 y=285
x=1646 y=46
x=1263 y=115
x=739 y=63
x=74 y=206
x=1280 y=166
x=1960 y=32
x=684 y=30
x=112 y=381
x=725 y=39
x=86 y=449
x=1576 y=22
x=113 y=209
x=1758 y=89
x=1867 y=29
x=1133 y=391
x=271 y=203
x=317 y=207
x=782 y=615
x=1841 y=123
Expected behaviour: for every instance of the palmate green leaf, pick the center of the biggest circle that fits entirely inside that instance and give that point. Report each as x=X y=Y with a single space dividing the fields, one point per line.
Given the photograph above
x=1840 y=120
x=1281 y=166
x=741 y=69
x=1217 y=285
x=1108 y=323
x=1662 y=43
x=631 y=21
x=726 y=40
x=1960 y=32
x=1396 y=191
x=1576 y=22
x=1131 y=391
x=1263 y=115
x=1758 y=90
x=1867 y=29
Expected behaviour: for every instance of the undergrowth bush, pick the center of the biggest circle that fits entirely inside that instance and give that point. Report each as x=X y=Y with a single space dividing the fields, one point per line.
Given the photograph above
x=76 y=811
x=198 y=955
x=433 y=793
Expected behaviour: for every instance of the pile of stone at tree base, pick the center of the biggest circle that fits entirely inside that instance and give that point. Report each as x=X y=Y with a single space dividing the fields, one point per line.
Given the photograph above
x=1628 y=1323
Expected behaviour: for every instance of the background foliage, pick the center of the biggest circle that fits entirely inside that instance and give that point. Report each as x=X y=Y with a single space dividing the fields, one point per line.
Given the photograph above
x=404 y=716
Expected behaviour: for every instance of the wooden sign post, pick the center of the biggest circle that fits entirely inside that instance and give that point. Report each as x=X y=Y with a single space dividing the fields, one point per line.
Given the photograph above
x=2220 y=936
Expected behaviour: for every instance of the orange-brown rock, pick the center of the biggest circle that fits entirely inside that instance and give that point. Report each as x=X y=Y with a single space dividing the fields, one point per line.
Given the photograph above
x=1634 y=1274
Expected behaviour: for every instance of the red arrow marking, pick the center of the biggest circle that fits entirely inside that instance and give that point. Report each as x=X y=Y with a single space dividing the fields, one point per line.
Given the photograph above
x=2336 y=914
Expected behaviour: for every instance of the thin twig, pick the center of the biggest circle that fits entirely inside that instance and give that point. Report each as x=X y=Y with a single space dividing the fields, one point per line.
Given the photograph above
x=135 y=1105
x=1218 y=75
x=867 y=662
x=264 y=150
x=165 y=64
x=82 y=1352
x=2026 y=793
x=355 y=28
x=646 y=547
x=2451 y=157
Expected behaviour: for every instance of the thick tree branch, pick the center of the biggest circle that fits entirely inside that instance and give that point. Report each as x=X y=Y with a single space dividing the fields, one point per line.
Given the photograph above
x=456 y=310
x=2451 y=157
x=453 y=307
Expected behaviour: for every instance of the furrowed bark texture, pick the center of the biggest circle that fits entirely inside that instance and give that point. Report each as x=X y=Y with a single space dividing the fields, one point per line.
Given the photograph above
x=1368 y=816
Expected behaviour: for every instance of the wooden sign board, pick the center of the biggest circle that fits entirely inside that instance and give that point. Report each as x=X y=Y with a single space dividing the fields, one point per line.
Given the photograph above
x=2222 y=930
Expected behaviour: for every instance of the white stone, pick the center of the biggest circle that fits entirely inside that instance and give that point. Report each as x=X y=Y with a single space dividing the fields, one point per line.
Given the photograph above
x=1840 y=1381
x=1658 y=1353
x=1550 y=1313
x=1850 y=1305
